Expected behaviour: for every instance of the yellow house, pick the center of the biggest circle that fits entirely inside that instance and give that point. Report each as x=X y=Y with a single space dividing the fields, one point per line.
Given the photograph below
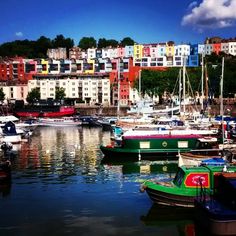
x=89 y=66
x=138 y=51
x=170 y=49
x=44 y=64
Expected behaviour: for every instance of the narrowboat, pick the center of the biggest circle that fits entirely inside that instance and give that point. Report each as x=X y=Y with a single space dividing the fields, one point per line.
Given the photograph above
x=150 y=145
x=186 y=185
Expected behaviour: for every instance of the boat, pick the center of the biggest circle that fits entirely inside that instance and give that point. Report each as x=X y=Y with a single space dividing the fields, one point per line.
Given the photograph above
x=183 y=189
x=217 y=215
x=42 y=109
x=148 y=141
x=207 y=152
x=60 y=122
x=148 y=107
x=90 y=121
x=107 y=123
x=139 y=145
x=9 y=134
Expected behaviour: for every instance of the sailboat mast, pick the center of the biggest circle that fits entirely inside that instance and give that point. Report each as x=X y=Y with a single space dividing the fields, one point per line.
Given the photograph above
x=206 y=84
x=221 y=99
x=140 y=84
x=180 y=89
x=118 y=88
x=202 y=79
x=184 y=73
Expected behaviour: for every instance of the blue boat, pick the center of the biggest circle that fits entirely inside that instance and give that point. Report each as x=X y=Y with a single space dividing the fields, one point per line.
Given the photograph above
x=217 y=214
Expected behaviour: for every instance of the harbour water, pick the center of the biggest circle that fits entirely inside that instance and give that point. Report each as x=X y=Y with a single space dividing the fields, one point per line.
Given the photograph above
x=61 y=186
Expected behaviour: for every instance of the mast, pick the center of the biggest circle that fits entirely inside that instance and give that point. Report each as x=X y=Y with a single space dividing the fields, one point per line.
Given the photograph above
x=140 y=84
x=184 y=73
x=206 y=84
x=221 y=99
x=118 y=88
x=202 y=79
x=180 y=89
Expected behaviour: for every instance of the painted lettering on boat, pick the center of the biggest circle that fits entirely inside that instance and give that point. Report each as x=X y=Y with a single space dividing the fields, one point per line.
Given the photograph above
x=197 y=179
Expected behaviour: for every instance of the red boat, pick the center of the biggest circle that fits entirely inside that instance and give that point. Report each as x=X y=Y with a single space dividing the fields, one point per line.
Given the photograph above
x=45 y=111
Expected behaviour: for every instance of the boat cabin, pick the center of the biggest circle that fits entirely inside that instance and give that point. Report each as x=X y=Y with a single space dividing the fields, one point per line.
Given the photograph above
x=202 y=176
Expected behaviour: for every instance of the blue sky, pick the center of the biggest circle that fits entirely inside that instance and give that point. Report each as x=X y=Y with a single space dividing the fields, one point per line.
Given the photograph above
x=148 y=21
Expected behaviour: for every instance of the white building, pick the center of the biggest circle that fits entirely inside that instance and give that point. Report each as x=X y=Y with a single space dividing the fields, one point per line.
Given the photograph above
x=92 y=89
x=232 y=48
x=182 y=50
x=91 y=53
x=57 y=53
x=15 y=92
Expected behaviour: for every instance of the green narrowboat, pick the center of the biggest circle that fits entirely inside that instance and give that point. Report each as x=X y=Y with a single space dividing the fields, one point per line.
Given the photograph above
x=150 y=145
x=183 y=189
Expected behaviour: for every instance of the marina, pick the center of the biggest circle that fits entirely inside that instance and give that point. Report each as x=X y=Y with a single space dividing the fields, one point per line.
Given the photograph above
x=61 y=185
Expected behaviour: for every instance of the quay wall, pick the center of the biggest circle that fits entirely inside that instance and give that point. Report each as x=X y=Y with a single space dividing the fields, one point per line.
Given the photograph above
x=213 y=110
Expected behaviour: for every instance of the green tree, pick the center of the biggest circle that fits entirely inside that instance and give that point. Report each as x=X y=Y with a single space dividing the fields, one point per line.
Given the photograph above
x=87 y=42
x=41 y=46
x=2 y=95
x=155 y=83
x=102 y=43
x=60 y=93
x=33 y=95
x=61 y=41
x=127 y=41
x=112 y=43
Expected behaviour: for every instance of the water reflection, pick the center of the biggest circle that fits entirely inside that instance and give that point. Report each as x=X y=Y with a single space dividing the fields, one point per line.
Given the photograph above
x=60 y=152
x=180 y=218
x=61 y=185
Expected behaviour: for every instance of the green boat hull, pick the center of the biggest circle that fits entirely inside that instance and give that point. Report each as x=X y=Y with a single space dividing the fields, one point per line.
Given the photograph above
x=185 y=187
x=156 y=148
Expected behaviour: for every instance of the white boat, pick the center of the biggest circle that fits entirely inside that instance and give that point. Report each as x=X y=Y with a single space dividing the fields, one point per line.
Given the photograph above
x=9 y=134
x=149 y=108
x=60 y=122
x=207 y=152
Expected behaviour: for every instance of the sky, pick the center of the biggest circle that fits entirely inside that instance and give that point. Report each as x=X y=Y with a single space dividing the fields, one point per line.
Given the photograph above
x=146 y=21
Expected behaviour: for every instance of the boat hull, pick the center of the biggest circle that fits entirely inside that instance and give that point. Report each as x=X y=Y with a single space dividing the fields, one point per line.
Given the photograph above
x=216 y=222
x=164 y=198
x=150 y=146
x=59 y=122
x=52 y=111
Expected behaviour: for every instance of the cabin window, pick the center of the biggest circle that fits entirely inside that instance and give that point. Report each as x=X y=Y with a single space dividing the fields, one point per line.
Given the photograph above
x=144 y=145
x=179 y=178
x=182 y=144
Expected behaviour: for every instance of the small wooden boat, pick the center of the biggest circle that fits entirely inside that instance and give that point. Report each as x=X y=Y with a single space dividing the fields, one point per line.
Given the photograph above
x=217 y=215
x=183 y=189
x=206 y=152
x=60 y=122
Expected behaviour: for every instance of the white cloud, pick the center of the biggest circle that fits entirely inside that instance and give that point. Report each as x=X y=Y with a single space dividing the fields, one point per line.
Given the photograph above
x=19 y=34
x=211 y=14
